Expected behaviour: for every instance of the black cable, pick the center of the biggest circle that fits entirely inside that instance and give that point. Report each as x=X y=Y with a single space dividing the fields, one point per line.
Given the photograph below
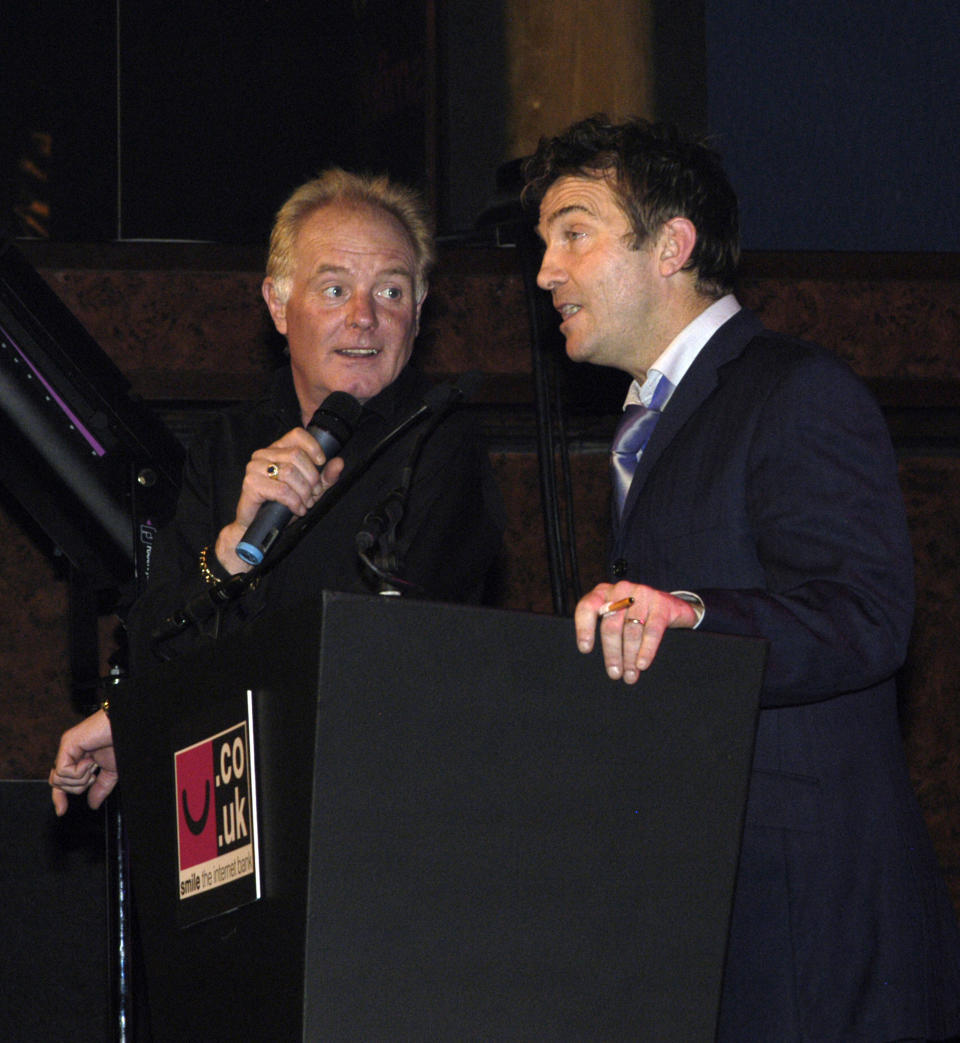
x=545 y=441
x=568 y=489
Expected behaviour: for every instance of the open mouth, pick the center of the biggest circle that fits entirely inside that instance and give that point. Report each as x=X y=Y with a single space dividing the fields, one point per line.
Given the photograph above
x=358 y=353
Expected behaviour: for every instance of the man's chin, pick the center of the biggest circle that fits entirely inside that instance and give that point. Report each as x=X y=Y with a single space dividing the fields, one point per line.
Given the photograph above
x=577 y=351
x=362 y=388
x=364 y=379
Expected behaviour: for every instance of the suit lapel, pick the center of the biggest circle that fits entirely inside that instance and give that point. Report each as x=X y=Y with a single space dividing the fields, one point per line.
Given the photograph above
x=697 y=384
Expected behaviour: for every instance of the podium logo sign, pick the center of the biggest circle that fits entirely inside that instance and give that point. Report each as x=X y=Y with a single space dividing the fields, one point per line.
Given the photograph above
x=216 y=824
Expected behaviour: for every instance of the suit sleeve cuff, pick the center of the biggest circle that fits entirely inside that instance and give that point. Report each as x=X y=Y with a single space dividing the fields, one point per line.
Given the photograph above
x=692 y=599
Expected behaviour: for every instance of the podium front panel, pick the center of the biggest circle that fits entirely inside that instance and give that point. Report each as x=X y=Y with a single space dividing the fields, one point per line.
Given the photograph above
x=468 y=831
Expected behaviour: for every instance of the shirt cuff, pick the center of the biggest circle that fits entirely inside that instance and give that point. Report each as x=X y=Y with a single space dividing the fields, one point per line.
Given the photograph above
x=692 y=599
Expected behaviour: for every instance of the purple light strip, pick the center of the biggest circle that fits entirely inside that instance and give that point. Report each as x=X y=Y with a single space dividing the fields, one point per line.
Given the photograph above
x=75 y=420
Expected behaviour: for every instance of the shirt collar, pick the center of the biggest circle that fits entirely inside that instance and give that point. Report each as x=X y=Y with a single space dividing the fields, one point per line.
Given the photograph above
x=674 y=362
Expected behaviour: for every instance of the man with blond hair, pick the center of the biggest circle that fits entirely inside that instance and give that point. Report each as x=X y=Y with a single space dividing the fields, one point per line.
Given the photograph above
x=347 y=275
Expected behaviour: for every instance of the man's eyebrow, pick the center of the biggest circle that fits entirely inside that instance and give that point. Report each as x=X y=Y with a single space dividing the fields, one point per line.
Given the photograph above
x=330 y=269
x=568 y=209
x=397 y=270
x=342 y=269
x=563 y=211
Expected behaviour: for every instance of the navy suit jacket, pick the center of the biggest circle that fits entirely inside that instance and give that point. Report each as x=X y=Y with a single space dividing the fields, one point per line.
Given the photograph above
x=769 y=487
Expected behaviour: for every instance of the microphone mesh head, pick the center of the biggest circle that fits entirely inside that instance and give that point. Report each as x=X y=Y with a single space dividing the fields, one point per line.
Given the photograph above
x=338 y=414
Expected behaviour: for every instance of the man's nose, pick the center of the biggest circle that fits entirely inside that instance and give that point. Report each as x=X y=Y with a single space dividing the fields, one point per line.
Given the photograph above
x=550 y=275
x=363 y=314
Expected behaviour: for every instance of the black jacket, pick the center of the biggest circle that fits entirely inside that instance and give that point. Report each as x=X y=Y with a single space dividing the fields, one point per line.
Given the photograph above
x=448 y=538
x=769 y=487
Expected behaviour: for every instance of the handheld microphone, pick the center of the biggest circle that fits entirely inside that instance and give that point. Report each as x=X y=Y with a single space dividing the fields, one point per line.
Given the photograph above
x=331 y=425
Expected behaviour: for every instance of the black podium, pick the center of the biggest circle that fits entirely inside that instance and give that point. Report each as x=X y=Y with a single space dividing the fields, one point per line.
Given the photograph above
x=464 y=830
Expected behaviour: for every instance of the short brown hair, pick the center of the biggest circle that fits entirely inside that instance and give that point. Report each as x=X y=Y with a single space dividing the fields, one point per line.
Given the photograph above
x=655 y=175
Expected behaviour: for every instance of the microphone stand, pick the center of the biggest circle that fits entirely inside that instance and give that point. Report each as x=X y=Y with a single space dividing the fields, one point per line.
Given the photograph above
x=376 y=539
x=377 y=544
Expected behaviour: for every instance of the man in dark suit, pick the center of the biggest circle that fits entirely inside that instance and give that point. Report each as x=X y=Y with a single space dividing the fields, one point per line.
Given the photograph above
x=765 y=497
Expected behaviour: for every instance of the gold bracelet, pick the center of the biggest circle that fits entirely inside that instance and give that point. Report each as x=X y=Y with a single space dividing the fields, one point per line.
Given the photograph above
x=105 y=706
x=208 y=576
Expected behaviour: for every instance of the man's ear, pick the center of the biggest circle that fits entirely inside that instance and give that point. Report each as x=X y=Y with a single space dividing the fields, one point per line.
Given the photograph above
x=275 y=304
x=677 y=240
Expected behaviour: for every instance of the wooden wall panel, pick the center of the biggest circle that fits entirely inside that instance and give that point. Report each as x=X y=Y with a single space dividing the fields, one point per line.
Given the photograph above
x=930 y=685
x=570 y=59
x=34 y=655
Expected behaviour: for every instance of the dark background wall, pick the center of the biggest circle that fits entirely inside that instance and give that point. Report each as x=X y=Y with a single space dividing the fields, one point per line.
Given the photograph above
x=839 y=120
x=192 y=120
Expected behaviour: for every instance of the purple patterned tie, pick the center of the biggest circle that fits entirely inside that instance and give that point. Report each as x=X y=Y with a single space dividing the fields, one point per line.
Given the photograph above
x=632 y=435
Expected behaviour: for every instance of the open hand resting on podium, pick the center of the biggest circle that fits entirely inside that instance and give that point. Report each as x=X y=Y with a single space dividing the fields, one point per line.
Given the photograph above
x=85 y=763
